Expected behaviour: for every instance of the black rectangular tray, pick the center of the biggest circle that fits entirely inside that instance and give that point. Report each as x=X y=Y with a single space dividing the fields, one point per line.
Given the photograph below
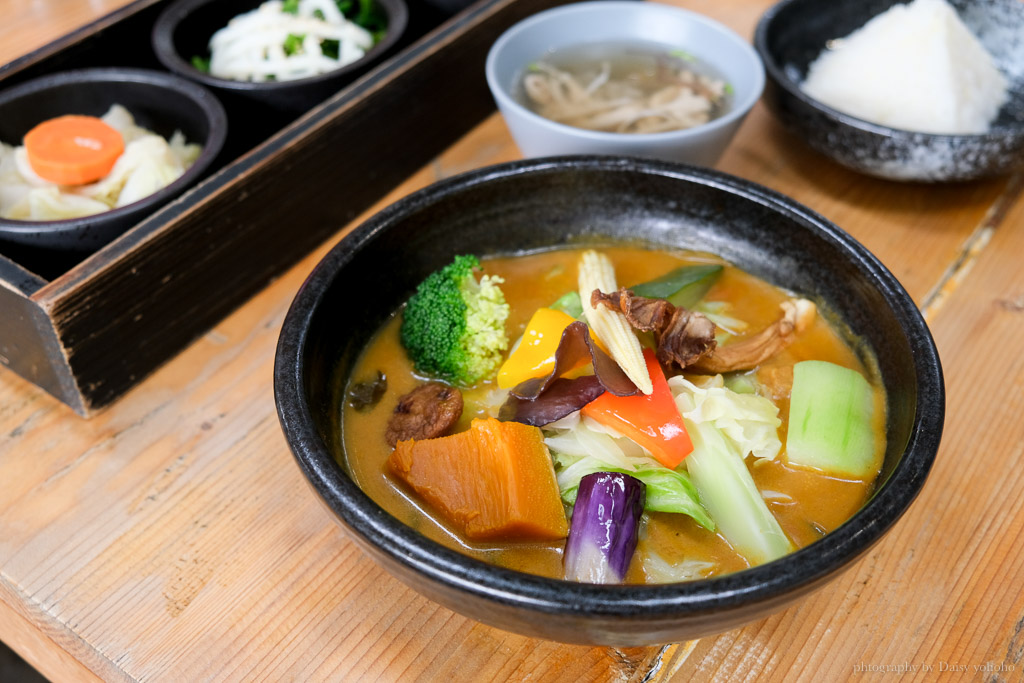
x=88 y=330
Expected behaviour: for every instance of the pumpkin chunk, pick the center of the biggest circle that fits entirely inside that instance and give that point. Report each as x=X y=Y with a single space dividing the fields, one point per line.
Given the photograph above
x=494 y=482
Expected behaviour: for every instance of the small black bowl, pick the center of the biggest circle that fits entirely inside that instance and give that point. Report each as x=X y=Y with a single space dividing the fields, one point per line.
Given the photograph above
x=792 y=34
x=159 y=102
x=541 y=203
x=183 y=31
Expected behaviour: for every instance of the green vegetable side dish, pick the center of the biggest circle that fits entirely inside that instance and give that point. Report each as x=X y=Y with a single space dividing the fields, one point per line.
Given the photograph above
x=453 y=327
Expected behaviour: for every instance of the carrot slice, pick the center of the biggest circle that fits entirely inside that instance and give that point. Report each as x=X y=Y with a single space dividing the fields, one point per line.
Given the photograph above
x=73 y=150
x=494 y=482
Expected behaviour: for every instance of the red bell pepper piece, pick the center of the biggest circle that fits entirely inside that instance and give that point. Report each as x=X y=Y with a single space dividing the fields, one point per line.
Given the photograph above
x=653 y=421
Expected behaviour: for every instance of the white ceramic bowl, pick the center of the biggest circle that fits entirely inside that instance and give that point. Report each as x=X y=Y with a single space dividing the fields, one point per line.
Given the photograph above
x=587 y=23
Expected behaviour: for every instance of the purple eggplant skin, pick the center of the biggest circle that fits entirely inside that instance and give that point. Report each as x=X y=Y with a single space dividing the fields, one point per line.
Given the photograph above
x=605 y=526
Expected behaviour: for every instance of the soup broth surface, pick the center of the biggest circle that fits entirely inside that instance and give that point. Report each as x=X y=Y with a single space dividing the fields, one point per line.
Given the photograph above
x=807 y=503
x=624 y=87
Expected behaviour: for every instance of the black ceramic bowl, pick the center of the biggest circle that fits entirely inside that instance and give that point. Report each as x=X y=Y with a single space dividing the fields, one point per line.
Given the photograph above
x=792 y=34
x=183 y=31
x=159 y=102
x=541 y=203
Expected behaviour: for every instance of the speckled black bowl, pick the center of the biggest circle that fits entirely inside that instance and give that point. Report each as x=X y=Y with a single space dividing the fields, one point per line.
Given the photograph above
x=540 y=203
x=183 y=30
x=792 y=34
x=161 y=102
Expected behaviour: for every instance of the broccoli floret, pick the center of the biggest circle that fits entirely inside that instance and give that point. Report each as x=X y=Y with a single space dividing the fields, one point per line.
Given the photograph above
x=453 y=326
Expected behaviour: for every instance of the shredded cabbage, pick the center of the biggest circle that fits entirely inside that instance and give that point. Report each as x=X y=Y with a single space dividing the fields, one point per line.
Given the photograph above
x=657 y=570
x=749 y=421
x=148 y=163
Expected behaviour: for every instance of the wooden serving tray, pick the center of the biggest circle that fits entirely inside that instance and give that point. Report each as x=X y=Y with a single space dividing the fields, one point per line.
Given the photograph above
x=87 y=330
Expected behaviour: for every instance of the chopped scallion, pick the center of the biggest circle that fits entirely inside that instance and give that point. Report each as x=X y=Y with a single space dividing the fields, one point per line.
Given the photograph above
x=293 y=44
x=330 y=48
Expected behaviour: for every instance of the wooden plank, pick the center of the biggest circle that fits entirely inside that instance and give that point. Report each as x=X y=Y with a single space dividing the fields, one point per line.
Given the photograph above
x=50 y=659
x=35 y=24
x=172 y=536
x=142 y=479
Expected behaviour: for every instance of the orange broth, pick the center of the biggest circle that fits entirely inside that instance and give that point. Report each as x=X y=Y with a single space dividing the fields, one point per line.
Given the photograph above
x=807 y=503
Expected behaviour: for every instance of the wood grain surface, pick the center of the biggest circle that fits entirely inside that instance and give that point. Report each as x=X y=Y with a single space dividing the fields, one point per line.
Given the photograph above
x=173 y=538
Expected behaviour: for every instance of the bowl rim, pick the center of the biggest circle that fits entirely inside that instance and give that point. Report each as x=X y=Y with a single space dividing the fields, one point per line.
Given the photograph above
x=211 y=107
x=737 y=112
x=777 y=74
x=799 y=571
x=162 y=40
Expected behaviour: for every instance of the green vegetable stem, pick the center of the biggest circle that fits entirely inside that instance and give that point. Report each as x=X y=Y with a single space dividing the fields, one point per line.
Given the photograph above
x=831 y=412
x=728 y=492
x=684 y=286
x=570 y=304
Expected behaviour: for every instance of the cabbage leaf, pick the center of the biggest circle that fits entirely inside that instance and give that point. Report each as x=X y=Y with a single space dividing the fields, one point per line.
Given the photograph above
x=581 y=446
x=750 y=422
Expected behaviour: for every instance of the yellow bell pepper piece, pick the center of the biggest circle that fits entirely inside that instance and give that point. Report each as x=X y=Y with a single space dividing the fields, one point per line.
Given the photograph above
x=535 y=355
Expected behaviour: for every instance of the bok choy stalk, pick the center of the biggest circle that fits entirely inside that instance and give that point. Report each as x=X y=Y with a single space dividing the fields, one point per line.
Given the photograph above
x=605 y=526
x=831 y=416
x=728 y=492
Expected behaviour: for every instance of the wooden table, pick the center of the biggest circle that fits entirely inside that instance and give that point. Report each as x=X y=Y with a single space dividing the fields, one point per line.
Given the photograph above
x=172 y=537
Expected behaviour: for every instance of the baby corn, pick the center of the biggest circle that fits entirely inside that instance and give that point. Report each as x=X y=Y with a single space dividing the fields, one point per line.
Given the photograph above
x=596 y=272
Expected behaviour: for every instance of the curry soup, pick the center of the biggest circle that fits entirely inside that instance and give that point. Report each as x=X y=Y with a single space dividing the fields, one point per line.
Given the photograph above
x=807 y=503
